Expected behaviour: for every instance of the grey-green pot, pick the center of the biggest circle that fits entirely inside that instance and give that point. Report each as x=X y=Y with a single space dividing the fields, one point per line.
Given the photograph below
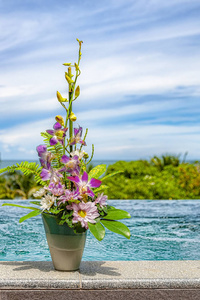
x=66 y=247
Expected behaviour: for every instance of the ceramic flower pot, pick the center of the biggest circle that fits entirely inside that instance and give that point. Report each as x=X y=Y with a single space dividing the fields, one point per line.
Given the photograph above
x=66 y=247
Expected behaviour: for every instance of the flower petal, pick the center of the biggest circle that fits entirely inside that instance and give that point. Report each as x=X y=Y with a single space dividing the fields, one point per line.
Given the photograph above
x=75 y=157
x=41 y=149
x=94 y=183
x=76 y=131
x=65 y=159
x=73 y=142
x=90 y=193
x=57 y=126
x=42 y=162
x=82 y=142
x=85 y=176
x=45 y=174
x=50 y=131
x=75 y=179
x=53 y=141
x=62 y=169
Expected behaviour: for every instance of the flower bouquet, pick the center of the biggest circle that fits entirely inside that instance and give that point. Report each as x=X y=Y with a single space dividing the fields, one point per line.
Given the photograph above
x=73 y=197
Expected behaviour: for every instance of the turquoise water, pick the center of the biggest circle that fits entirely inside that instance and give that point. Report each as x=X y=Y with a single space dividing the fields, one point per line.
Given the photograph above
x=161 y=230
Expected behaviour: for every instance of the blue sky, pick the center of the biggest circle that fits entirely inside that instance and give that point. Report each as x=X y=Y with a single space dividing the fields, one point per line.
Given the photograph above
x=140 y=80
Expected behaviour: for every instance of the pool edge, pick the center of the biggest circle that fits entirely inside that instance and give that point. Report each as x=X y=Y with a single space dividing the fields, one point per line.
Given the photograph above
x=102 y=279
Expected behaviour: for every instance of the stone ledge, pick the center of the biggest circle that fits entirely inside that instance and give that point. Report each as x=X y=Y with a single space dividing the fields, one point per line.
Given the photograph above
x=108 y=275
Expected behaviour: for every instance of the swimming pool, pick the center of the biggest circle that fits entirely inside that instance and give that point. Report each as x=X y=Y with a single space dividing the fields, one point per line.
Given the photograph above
x=160 y=229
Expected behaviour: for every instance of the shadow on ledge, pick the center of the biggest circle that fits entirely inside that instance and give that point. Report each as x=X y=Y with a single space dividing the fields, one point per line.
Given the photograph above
x=43 y=266
x=90 y=268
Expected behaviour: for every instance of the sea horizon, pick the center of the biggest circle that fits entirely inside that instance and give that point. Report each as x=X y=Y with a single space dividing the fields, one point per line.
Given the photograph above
x=9 y=162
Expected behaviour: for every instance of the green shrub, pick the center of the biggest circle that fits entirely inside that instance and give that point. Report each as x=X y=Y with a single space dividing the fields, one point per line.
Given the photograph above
x=146 y=180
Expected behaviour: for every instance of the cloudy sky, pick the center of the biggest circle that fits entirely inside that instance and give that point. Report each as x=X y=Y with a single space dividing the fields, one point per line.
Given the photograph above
x=140 y=80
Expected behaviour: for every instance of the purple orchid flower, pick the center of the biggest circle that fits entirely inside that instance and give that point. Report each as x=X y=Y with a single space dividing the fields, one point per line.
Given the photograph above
x=101 y=199
x=58 y=134
x=77 y=137
x=57 y=189
x=69 y=195
x=45 y=156
x=71 y=164
x=84 y=186
x=48 y=173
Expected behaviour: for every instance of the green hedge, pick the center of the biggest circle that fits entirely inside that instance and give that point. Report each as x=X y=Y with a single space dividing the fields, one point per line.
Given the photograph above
x=143 y=180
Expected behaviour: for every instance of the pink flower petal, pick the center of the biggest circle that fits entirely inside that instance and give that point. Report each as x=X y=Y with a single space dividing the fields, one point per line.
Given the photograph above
x=94 y=183
x=85 y=177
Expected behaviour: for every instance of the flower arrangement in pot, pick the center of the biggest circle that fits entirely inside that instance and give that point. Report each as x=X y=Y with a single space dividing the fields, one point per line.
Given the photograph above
x=72 y=200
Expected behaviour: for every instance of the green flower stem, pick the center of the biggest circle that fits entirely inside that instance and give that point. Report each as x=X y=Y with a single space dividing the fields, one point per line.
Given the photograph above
x=70 y=122
x=69 y=110
x=84 y=138
x=91 y=155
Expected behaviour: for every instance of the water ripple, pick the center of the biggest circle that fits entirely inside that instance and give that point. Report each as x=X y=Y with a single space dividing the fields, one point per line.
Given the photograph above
x=160 y=229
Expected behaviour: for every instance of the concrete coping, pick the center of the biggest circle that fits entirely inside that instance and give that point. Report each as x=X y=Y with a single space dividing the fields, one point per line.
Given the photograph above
x=101 y=275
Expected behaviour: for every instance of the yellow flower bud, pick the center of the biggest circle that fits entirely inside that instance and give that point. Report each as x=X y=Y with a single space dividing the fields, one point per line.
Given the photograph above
x=60 y=98
x=77 y=91
x=77 y=67
x=60 y=120
x=85 y=155
x=80 y=42
x=67 y=77
x=72 y=117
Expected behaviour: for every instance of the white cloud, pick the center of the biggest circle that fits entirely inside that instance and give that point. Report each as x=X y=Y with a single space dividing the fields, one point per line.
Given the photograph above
x=130 y=48
x=113 y=142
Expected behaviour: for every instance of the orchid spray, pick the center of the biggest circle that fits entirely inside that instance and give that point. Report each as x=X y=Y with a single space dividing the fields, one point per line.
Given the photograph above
x=68 y=192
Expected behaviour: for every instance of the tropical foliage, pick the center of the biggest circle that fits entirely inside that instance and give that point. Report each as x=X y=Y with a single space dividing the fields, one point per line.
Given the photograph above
x=16 y=185
x=149 y=180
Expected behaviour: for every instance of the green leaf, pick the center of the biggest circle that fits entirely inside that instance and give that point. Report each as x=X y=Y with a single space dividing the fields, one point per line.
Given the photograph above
x=101 y=188
x=21 y=206
x=97 y=230
x=73 y=201
x=117 y=227
x=97 y=171
x=117 y=214
x=109 y=207
x=35 y=202
x=55 y=211
x=30 y=215
x=110 y=175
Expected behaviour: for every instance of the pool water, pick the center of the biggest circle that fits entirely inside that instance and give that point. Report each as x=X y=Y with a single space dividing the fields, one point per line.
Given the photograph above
x=160 y=230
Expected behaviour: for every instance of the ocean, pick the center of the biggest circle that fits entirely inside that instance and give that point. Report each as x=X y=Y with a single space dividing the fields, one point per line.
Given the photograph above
x=6 y=163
